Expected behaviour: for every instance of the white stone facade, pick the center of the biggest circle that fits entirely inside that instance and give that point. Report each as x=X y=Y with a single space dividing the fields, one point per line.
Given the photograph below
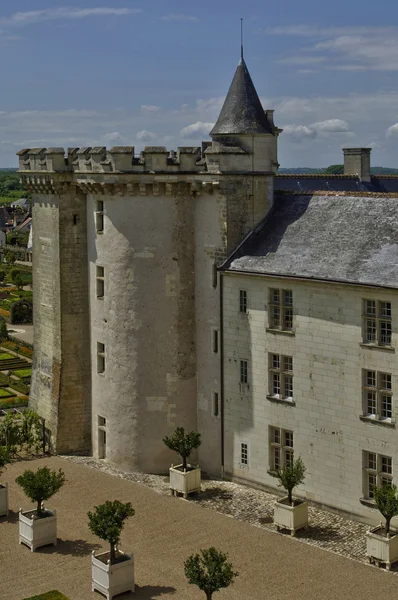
x=329 y=357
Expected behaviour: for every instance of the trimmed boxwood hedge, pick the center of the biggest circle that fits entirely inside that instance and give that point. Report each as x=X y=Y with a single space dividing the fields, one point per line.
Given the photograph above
x=14 y=401
x=53 y=595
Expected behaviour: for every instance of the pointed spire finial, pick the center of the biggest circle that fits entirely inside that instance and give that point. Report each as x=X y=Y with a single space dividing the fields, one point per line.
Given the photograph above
x=241 y=38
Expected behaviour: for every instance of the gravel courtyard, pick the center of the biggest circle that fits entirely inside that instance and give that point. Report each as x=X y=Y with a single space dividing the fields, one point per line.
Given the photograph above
x=165 y=530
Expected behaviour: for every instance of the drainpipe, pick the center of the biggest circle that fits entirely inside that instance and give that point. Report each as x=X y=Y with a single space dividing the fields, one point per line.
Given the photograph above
x=222 y=374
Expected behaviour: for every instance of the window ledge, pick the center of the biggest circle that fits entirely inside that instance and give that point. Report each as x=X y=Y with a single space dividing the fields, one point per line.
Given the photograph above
x=100 y=232
x=367 y=419
x=368 y=502
x=272 y=472
x=281 y=331
x=281 y=400
x=377 y=347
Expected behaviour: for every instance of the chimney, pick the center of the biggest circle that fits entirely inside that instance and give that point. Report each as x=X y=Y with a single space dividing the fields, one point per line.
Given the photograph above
x=357 y=162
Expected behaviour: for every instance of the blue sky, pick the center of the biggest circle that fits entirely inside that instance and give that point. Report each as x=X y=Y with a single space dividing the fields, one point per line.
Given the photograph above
x=124 y=72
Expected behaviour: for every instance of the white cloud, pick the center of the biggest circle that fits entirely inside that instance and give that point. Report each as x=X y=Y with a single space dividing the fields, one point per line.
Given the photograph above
x=195 y=129
x=298 y=133
x=114 y=136
x=331 y=126
x=145 y=136
x=344 y=48
x=392 y=130
x=149 y=108
x=179 y=17
x=62 y=13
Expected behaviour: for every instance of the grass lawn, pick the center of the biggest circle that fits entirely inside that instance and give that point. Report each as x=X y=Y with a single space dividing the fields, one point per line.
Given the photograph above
x=6 y=356
x=22 y=373
x=5 y=393
x=53 y=595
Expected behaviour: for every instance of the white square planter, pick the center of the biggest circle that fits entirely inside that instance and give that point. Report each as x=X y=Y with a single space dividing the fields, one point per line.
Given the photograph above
x=185 y=482
x=290 y=517
x=380 y=548
x=111 y=580
x=3 y=500
x=34 y=532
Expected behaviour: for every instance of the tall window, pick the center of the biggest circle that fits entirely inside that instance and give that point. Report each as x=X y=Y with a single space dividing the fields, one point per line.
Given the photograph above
x=101 y=437
x=377 y=470
x=100 y=357
x=216 y=404
x=280 y=376
x=99 y=216
x=281 y=448
x=215 y=340
x=377 y=326
x=244 y=374
x=100 y=285
x=377 y=395
x=243 y=301
x=244 y=453
x=281 y=309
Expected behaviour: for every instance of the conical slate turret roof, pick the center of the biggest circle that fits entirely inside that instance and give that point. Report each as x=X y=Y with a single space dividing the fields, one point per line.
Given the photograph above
x=242 y=111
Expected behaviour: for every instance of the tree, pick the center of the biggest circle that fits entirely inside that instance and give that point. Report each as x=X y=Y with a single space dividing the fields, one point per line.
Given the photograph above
x=5 y=458
x=10 y=256
x=292 y=475
x=18 y=282
x=387 y=502
x=334 y=170
x=41 y=485
x=2 y=276
x=14 y=274
x=3 y=329
x=210 y=571
x=107 y=523
x=183 y=443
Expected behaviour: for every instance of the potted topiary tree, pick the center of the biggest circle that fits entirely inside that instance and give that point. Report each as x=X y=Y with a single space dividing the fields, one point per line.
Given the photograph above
x=290 y=513
x=210 y=572
x=184 y=478
x=38 y=527
x=112 y=571
x=4 y=460
x=381 y=545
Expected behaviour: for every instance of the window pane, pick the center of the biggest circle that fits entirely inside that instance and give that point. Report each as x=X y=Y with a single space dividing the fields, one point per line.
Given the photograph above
x=276 y=435
x=276 y=363
x=289 y=438
x=288 y=318
x=287 y=298
x=275 y=316
x=371 y=484
x=370 y=308
x=243 y=454
x=289 y=457
x=288 y=363
x=275 y=297
x=277 y=458
x=385 y=332
x=243 y=301
x=386 y=407
x=371 y=378
x=385 y=310
x=276 y=383
x=243 y=371
x=370 y=403
x=372 y=464
x=386 y=465
x=370 y=330
x=288 y=386
x=385 y=381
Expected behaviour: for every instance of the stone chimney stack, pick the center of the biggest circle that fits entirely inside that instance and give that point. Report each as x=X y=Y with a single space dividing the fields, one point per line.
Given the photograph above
x=357 y=162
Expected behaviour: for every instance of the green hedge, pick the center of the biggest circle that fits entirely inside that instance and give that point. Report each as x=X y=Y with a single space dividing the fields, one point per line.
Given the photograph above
x=23 y=373
x=19 y=386
x=5 y=393
x=53 y=595
x=14 y=402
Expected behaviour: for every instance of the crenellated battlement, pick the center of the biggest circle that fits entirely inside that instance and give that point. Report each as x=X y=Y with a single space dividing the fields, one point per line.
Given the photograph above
x=119 y=159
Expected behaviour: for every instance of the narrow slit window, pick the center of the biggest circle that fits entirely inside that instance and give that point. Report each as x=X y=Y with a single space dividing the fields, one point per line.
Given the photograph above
x=100 y=357
x=216 y=405
x=99 y=216
x=243 y=301
x=215 y=341
x=100 y=282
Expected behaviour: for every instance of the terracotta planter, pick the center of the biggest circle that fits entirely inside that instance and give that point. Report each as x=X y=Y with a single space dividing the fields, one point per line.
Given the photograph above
x=111 y=580
x=185 y=482
x=34 y=532
x=381 y=548
x=3 y=500
x=290 y=517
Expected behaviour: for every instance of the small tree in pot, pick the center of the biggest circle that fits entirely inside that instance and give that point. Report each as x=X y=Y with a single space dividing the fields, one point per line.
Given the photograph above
x=381 y=546
x=184 y=478
x=39 y=527
x=107 y=522
x=289 y=513
x=5 y=459
x=210 y=572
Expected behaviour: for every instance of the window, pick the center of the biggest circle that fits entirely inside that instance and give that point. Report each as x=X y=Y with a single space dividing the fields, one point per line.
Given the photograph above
x=244 y=371
x=377 y=327
x=244 y=453
x=281 y=309
x=100 y=357
x=281 y=448
x=214 y=275
x=242 y=301
x=99 y=216
x=215 y=340
x=216 y=406
x=377 y=470
x=377 y=395
x=280 y=376
x=100 y=282
x=101 y=437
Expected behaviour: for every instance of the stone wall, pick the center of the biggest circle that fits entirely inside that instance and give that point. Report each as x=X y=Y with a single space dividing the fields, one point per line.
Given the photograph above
x=328 y=359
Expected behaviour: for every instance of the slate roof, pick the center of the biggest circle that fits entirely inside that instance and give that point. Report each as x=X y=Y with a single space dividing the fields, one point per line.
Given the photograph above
x=352 y=239
x=242 y=111
x=336 y=183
